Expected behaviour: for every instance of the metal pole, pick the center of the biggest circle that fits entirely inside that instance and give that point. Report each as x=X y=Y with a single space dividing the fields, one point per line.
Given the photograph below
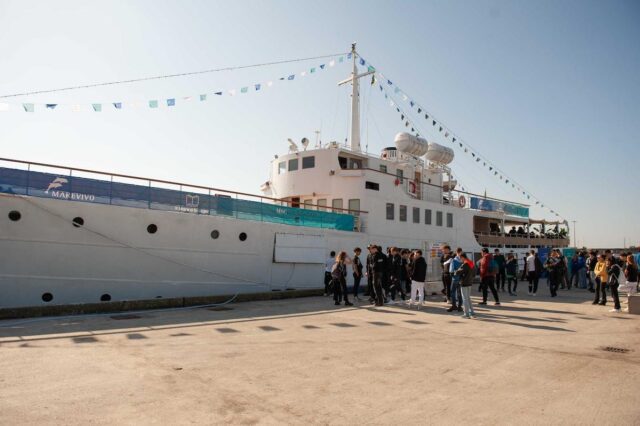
x=575 y=242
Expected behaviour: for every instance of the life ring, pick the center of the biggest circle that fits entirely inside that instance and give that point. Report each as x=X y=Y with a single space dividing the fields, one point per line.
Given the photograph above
x=412 y=187
x=462 y=201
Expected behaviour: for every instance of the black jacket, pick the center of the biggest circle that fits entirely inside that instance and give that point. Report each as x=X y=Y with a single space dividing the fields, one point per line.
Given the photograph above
x=379 y=261
x=419 y=270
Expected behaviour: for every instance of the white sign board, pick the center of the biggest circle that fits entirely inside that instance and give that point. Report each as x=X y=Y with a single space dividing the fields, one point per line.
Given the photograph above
x=300 y=248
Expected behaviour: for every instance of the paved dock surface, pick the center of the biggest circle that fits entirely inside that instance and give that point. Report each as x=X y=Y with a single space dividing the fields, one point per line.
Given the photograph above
x=304 y=361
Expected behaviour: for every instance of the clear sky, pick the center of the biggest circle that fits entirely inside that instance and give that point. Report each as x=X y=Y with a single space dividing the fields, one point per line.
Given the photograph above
x=549 y=91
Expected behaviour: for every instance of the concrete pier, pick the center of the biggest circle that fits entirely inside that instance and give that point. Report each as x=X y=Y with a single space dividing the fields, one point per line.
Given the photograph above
x=304 y=361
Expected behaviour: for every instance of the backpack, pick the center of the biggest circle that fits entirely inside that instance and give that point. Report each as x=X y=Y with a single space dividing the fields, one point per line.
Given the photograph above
x=493 y=266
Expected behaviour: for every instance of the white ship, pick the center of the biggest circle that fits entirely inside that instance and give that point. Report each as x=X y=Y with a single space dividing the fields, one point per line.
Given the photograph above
x=73 y=236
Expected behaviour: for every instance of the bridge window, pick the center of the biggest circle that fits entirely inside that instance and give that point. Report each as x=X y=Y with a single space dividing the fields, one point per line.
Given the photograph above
x=372 y=185
x=438 y=218
x=383 y=168
x=308 y=204
x=400 y=174
x=336 y=203
x=308 y=162
x=293 y=164
x=427 y=216
x=282 y=167
x=403 y=213
x=343 y=162
x=390 y=211
x=322 y=203
x=449 y=220
x=354 y=207
x=416 y=215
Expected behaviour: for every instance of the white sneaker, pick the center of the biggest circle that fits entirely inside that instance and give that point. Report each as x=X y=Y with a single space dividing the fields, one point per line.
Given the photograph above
x=614 y=310
x=534 y=294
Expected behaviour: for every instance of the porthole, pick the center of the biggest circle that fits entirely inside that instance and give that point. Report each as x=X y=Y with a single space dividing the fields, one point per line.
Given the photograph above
x=152 y=229
x=14 y=215
x=78 y=222
x=215 y=234
x=47 y=297
x=242 y=236
x=105 y=297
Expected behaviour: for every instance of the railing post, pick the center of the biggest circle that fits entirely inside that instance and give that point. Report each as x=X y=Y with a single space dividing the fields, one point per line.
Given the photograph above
x=209 y=209
x=261 y=211
x=70 y=182
x=235 y=208
x=111 y=190
x=149 y=196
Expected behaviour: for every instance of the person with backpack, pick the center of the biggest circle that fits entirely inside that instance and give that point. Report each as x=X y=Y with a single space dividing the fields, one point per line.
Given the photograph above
x=328 y=264
x=554 y=267
x=466 y=273
x=488 y=271
x=501 y=275
x=356 y=265
x=511 y=269
x=446 y=274
x=338 y=276
x=614 y=271
x=455 y=293
x=395 y=274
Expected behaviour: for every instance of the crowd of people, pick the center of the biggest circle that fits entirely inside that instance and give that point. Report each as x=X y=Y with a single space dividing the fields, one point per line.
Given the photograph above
x=402 y=273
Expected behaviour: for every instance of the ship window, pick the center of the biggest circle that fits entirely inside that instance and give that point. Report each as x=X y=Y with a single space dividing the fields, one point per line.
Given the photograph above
x=403 y=213
x=152 y=229
x=438 y=218
x=282 y=167
x=355 y=163
x=449 y=220
x=390 y=211
x=343 y=162
x=400 y=174
x=14 y=215
x=416 y=215
x=322 y=203
x=242 y=236
x=308 y=162
x=308 y=204
x=372 y=185
x=78 y=222
x=47 y=297
x=354 y=207
x=336 y=203
x=383 y=168
x=215 y=234
x=427 y=216
x=293 y=164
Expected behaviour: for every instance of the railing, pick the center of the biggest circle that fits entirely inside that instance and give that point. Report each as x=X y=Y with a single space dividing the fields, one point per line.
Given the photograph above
x=66 y=183
x=500 y=238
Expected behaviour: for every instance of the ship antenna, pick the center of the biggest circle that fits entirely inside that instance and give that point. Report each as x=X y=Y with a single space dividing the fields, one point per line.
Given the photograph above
x=355 y=99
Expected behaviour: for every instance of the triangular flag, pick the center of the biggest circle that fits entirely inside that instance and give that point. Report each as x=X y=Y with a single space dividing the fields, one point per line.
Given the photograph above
x=402 y=117
x=434 y=122
x=232 y=92
x=244 y=90
x=349 y=55
x=97 y=107
x=406 y=124
x=389 y=82
x=426 y=116
x=303 y=73
x=312 y=70
x=218 y=93
x=453 y=140
x=419 y=110
x=446 y=134
x=362 y=61
x=153 y=104
x=341 y=59
x=440 y=129
x=171 y=102
x=322 y=66
x=257 y=86
x=370 y=69
x=203 y=98
x=411 y=103
x=117 y=105
x=332 y=63
x=28 y=107
x=51 y=106
x=291 y=77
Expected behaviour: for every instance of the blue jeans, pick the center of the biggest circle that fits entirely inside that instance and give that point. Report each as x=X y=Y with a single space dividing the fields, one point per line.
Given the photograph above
x=466 y=301
x=582 y=278
x=456 y=295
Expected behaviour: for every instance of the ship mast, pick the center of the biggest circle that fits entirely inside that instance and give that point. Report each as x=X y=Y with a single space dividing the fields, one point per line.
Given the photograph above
x=355 y=99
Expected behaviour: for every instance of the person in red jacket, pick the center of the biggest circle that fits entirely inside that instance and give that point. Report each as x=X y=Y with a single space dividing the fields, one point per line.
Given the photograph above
x=488 y=270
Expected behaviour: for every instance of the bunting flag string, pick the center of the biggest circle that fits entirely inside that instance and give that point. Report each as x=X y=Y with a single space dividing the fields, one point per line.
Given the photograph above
x=32 y=107
x=446 y=133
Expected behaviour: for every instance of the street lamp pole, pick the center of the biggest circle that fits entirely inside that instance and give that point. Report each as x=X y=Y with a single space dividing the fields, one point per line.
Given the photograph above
x=575 y=242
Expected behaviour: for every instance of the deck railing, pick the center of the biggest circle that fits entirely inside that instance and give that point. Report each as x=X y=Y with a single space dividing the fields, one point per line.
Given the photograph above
x=84 y=185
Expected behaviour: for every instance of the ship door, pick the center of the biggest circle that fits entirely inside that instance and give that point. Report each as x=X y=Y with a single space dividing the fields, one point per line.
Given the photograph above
x=418 y=181
x=295 y=202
